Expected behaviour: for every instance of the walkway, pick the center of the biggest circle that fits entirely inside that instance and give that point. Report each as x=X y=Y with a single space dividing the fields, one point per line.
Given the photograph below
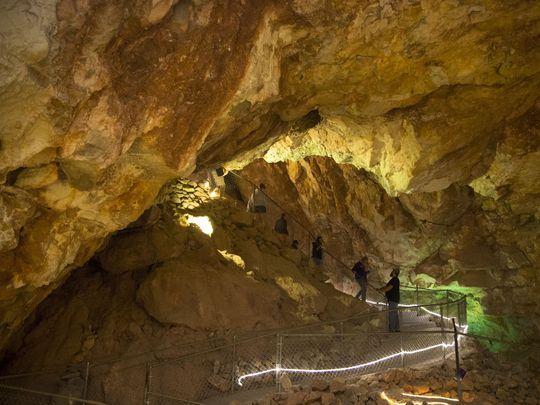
x=346 y=348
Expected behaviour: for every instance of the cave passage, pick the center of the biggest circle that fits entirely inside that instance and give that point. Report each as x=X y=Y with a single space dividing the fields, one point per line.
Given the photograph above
x=269 y=202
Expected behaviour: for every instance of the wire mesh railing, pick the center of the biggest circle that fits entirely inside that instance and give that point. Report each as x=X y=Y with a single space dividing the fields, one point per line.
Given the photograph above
x=218 y=367
x=215 y=368
x=343 y=348
x=349 y=355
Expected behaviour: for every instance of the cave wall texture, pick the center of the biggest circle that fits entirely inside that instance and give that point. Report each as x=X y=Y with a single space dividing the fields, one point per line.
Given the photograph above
x=102 y=102
x=450 y=236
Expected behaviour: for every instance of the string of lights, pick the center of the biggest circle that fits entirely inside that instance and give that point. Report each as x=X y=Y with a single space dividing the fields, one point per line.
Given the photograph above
x=342 y=369
x=379 y=303
x=400 y=353
x=421 y=397
x=394 y=402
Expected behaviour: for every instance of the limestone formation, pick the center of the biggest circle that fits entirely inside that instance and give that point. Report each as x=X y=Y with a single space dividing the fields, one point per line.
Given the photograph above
x=102 y=103
x=440 y=237
x=164 y=285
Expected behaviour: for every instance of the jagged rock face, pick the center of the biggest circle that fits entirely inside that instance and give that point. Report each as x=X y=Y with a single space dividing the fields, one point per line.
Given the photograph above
x=451 y=235
x=103 y=102
x=164 y=283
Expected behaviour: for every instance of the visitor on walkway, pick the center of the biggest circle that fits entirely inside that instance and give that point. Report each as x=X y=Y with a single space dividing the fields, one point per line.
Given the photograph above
x=391 y=290
x=257 y=201
x=216 y=180
x=360 y=274
x=281 y=228
x=317 y=251
x=294 y=244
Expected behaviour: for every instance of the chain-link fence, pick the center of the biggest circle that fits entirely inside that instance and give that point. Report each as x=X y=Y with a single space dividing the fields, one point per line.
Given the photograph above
x=346 y=348
x=201 y=371
x=308 y=356
x=68 y=381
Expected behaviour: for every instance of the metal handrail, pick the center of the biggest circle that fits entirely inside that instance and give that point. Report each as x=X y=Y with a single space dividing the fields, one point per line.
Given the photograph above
x=30 y=374
x=70 y=398
x=270 y=332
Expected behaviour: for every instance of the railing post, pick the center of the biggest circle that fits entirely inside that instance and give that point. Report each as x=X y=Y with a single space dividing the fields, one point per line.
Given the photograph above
x=460 y=313
x=279 y=352
x=443 y=334
x=464 y=311
x=458 y=367
x=417 y=302
x=233 y=370
x=401 y=348
x=147 y=384
x=86 y=376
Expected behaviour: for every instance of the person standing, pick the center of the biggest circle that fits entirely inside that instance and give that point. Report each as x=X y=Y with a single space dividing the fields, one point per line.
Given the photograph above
x=281 y=228
x=257 y=201
x=360 y=274
x=317 y=251
x=391 y=290
x=216 y=180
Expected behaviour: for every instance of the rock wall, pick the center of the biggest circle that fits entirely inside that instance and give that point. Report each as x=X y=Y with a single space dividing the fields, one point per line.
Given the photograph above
x=103 y=102
x=436 y=238
x=165 y=282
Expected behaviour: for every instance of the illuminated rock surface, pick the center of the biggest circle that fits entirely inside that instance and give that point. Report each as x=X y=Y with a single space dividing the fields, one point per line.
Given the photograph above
x=164 y=284
x=430 y=105
x=453 y=235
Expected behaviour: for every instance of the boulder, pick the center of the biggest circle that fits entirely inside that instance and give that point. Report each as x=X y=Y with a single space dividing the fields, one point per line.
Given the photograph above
x=37 y=177
x=207 y=296
x=242 y=218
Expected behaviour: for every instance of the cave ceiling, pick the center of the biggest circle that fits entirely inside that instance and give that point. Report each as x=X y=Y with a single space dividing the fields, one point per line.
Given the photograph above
x=102 y=102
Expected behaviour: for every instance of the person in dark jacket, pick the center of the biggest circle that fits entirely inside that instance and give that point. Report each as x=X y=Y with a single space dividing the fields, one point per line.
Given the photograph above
x=317 y=251
x=391 y=290
x=360 y=274
x=280 y=228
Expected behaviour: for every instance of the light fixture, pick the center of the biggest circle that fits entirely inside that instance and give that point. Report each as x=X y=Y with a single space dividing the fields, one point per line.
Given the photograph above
x=341 y=369
x=422 y=397
x=420 y=402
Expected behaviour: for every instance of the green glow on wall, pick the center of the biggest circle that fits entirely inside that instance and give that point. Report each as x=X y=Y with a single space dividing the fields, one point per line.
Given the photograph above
x=501 y=327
